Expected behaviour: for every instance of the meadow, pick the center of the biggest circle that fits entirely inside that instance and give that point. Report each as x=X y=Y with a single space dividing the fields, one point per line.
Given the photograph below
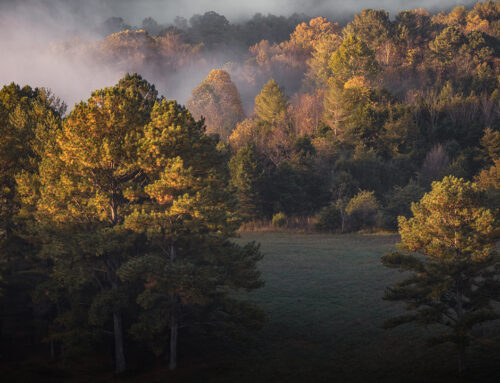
x=323 y=299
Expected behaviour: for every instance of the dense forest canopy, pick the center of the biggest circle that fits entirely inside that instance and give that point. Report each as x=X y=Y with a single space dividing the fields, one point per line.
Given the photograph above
x=117 y=212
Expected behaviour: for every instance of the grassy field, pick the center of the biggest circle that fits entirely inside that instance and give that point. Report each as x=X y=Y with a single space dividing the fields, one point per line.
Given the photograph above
x=323 y=299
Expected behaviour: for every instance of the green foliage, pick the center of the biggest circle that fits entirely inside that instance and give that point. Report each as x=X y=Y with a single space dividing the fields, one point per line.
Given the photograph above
x=353 y=58
x=319 y=71
x=29 y=120
x=271 y=103
x=362 y=210
x=187 y=213
x=455 y=278
x=445 y=45
x=373 y=27
x=329 y=219
x=399 y=201
x=133 y=190
x=490 y=146
x=247 y=176
x=279 y=219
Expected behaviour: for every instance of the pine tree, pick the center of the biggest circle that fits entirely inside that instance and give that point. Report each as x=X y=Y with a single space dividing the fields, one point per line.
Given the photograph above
x=29 y=121
x=247 y=176
x=353 y=58
x=456 y=277
x=271 y=103
x=188 y=213
x=81 y=197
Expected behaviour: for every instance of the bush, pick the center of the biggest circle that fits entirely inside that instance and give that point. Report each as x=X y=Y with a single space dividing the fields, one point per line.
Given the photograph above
x=362 y=211
x=279 y=220
x=328 y=219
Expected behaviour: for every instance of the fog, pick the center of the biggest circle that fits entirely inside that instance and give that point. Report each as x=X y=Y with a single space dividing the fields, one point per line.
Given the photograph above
x=238 y=9
x=134 y=11
x=29 y=29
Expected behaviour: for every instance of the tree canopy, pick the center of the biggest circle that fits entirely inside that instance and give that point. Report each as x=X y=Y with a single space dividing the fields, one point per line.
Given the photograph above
x=455 y=280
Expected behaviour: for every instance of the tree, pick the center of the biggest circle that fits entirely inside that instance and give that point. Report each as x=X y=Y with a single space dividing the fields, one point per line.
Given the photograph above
x=373 y=27
x=247 y=176
x=362 y=210
x=319 y=71
x=29 y=121
x=271 y=104
x=454 y=276
x=307 y=35
x=187 y=213
x=353 y=58
x=81 y=197
x=218 y=101
x=445 y=46
x=399 y=201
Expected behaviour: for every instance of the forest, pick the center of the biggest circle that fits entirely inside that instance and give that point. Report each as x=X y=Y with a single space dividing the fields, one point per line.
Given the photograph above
x=124 y=218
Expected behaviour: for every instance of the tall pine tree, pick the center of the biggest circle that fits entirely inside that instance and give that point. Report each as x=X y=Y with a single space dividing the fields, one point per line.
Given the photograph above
x=80 y=197
x=455 y=276
x=188 y=213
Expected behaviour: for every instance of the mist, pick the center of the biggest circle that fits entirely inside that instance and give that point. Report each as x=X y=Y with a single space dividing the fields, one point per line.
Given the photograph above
x=32 y=30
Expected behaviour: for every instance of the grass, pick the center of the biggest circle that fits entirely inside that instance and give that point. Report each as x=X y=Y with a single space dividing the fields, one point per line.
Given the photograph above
x=323 y=299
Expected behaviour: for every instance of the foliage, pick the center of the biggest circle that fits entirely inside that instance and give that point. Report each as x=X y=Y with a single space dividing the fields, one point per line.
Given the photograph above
x=187 y=214
x=454 y=281
x=353 y=58
x=362 y=210
x=279 y=219
x=218 y=101
x=328 y=219
x=247 y=176
x=271 y=104
x=371 y=26
x=129 y=178
x=399 y=201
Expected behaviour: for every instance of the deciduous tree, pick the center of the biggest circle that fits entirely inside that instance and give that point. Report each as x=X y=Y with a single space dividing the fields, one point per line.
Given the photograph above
x=218 y=101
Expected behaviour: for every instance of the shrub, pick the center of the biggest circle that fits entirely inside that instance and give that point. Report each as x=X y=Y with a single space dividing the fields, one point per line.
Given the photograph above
x=279 y=220
x=362 y=211
x=328 y=219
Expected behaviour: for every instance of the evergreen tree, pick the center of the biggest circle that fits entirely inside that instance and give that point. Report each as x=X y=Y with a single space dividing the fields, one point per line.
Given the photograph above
x=353 y=58
x=247 y=176
x=29 y=121
x=187 y=213
x=456 y=277
x=373 y=27
x=271 y=104
x=81 y=198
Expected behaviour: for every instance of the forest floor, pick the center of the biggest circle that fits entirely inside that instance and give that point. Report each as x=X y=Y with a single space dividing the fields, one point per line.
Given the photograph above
x=323 y=299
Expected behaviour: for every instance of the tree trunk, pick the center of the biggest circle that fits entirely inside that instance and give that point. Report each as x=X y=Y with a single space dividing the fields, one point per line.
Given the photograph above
x=52 y=350
x=120 y=365
x=174 y=325
x=461 y=359
x=174 y=330
x=460 y=314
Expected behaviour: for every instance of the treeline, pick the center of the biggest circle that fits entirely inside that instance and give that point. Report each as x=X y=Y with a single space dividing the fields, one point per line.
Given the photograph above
x=214 y=30
x=334 y=122
x=357 y=122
